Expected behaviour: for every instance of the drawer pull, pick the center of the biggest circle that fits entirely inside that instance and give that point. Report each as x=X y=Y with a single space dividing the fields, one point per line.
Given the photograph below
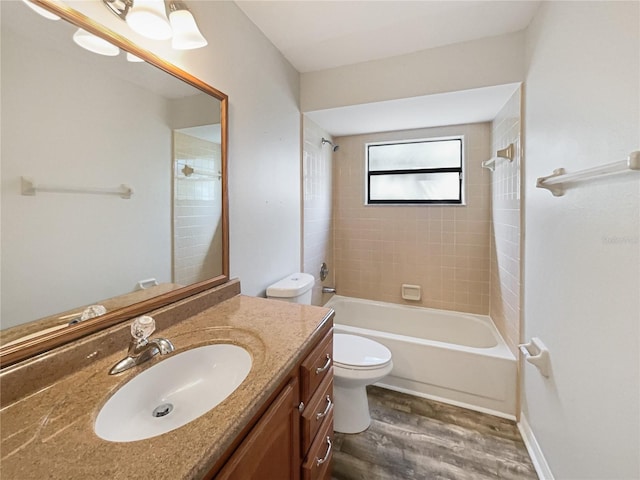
x=326 y=410
x=327 y=455
x=319 y=370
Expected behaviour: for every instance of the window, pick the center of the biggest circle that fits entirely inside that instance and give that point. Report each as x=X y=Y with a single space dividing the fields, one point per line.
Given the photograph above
x=415 y=172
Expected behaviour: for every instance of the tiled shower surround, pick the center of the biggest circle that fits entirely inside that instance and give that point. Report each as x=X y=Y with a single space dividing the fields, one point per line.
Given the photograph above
x=444 y=249
x=317 y=166
x=505 y=238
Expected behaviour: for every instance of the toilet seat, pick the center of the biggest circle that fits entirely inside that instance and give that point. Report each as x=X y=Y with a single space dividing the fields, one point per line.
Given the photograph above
x=359 y=353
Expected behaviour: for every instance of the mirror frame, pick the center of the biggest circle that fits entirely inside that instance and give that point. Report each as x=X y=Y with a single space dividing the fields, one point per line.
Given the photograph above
x=42 y=343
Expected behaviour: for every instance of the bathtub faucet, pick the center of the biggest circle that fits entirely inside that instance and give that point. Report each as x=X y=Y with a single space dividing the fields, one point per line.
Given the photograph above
x=328 y=290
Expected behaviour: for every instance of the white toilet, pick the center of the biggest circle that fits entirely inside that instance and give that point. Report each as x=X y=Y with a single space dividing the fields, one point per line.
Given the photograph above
x=357 y=362
x=295 y=288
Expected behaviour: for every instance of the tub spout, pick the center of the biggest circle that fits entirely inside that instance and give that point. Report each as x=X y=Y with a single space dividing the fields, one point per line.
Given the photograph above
x=328 y=290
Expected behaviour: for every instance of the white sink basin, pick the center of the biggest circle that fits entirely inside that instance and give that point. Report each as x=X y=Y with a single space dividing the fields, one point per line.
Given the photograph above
x=172 y=393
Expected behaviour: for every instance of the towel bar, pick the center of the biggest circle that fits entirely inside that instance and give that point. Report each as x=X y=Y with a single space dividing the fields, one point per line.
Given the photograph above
x=556 y=181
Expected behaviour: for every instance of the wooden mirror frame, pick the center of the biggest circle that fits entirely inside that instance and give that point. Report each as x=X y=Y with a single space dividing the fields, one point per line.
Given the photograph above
x=47 y=341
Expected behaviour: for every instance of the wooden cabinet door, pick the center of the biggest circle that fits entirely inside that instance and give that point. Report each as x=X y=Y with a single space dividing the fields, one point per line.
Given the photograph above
x=271 y=451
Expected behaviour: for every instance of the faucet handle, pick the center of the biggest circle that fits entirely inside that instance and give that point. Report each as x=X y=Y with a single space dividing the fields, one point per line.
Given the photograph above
x=142 y=327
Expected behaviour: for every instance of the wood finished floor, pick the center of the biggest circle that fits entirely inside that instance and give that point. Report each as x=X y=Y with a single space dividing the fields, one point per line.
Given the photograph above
x=415 y=438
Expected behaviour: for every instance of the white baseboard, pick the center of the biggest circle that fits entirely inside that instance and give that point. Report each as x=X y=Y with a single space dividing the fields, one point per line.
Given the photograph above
x=535 y=452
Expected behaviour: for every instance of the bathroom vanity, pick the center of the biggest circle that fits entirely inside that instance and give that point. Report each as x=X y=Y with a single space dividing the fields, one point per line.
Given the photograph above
x=297 y=426
x=276 y=424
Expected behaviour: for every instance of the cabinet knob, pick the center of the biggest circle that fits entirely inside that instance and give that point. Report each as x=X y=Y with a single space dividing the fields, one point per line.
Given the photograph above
x=301 y=407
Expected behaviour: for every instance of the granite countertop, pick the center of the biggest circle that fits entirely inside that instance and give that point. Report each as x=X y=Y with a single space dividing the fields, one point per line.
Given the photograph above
x=49 y=434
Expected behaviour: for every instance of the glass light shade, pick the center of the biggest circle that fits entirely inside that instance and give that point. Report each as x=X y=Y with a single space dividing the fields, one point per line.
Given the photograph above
x=41 y=11
x=133 y=59
x=95 y=44
x=149 y=19
x=186 y=35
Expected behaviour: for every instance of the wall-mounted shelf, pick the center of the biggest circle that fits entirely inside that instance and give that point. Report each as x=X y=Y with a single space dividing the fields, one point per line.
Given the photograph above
x=556 y=182
x=29 y=187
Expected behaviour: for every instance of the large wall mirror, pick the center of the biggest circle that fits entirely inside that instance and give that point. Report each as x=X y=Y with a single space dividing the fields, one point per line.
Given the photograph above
x=113 y=182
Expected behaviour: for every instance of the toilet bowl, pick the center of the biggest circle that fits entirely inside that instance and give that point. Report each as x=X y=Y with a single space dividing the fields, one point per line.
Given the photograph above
x=357 y=362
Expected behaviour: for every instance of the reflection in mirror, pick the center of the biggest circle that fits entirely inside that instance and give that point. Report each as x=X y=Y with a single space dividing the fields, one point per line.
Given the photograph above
x=78 y=125
x=197 y=212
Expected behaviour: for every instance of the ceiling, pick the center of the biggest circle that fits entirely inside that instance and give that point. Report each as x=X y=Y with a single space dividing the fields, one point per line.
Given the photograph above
x=320 y=34
x=316 y=35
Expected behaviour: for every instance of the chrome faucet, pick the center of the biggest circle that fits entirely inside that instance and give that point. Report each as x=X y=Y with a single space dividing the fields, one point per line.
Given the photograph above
x=141 y=348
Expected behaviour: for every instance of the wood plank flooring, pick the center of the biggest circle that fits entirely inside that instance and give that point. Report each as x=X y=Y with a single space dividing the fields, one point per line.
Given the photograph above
x=415 y=438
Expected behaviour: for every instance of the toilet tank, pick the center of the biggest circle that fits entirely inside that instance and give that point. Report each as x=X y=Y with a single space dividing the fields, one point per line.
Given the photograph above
x=295 y=288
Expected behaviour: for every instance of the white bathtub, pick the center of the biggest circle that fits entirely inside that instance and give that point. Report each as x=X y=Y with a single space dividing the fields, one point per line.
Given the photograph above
x=454 y=357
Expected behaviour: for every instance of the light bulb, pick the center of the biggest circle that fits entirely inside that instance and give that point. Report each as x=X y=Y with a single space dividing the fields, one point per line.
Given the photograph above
x=149 y=19
x=186 y=35
x=41 y=11
x=132 y=58
x=95 y=44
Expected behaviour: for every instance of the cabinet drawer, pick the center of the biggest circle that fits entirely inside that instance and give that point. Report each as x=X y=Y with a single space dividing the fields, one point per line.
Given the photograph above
x=317 y=465
x=316 y=367
x=317 y=411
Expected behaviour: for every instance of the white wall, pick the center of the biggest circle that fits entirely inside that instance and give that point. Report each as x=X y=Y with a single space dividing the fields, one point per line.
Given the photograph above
x=194 y=111
x=480 y=63
x=582 y=251
x=53 y=235
x=264 y=135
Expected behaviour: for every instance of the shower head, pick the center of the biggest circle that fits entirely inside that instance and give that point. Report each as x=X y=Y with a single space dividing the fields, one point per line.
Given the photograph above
x=334 y=147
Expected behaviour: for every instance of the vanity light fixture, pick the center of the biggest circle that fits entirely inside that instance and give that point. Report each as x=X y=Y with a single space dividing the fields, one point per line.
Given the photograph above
x=41 y=11
x=186 y=35
x=149 y=19
x=81 y=37
x=94 y=43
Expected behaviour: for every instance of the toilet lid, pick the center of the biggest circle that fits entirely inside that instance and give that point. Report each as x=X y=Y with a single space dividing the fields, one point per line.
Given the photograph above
x=355 y=351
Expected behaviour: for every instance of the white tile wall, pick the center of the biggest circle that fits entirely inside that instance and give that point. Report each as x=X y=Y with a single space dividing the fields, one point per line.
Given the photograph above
x=317 y=164
x=197 y=233
x=505 y=238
